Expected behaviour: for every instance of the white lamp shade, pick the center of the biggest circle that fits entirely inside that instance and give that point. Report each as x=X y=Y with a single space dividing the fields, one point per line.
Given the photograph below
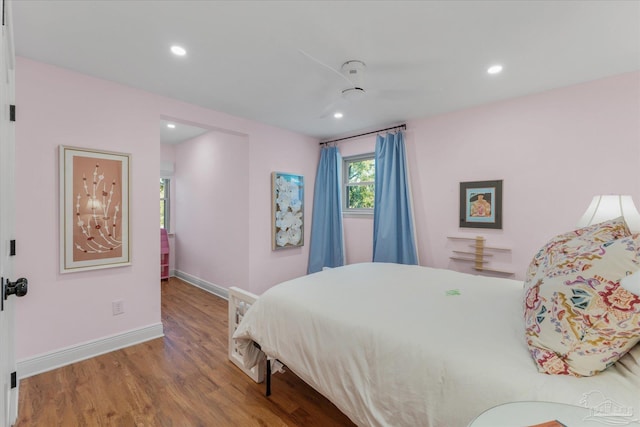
x=604 y=208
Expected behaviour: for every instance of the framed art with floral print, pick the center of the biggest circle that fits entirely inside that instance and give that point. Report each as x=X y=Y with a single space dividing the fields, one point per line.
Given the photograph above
x=94 y=209
x=287 y=201
x=481 y=204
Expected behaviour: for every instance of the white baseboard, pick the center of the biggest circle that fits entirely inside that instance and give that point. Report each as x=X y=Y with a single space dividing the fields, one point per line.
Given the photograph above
x=66 y=356
x=203 y=284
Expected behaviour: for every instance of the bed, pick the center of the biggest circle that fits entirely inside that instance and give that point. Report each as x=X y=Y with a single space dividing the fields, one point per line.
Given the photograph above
x=396 y=345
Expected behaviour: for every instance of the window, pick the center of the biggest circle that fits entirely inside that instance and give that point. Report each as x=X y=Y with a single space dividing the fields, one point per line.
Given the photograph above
x=358 y=177
x=164 y=203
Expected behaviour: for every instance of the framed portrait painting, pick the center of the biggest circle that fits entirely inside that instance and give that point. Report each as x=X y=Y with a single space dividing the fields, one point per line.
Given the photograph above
x=94 y=209
x=481 y=204
x=287 y=216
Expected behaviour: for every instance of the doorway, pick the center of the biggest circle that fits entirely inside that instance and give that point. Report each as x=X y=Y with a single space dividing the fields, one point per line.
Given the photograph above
x=208 y=204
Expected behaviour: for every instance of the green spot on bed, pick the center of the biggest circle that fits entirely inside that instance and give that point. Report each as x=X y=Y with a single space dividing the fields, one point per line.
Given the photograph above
x=452 y=292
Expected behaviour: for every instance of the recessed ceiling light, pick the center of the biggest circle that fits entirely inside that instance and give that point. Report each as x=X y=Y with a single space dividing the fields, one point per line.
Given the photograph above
x=171 y=126
x=178 y=50
x=338 y=115
x=495 y=69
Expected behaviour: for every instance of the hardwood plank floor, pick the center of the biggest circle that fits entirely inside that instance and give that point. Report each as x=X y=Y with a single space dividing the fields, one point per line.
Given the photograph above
x=181 y=380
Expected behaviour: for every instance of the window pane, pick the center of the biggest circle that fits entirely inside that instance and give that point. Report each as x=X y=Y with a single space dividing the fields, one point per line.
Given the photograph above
x=162 y=204
x=360 y=196
x=362 y=170
x=358 y=184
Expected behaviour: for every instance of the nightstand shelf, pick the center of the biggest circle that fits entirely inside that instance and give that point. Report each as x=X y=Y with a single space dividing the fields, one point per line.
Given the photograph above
x=479 y=255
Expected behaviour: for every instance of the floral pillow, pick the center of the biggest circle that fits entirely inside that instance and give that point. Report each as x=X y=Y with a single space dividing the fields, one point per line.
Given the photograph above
x=579 y=319
x=556 y=247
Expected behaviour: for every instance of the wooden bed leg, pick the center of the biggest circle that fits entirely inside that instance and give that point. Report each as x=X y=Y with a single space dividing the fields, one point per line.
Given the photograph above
x=268 y=379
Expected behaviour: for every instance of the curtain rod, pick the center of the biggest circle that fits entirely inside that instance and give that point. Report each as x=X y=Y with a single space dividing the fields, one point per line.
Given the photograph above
x=402 y=126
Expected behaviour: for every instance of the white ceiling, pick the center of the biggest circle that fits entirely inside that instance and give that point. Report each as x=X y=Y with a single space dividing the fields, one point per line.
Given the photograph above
x=246 y=57
x=179 y=133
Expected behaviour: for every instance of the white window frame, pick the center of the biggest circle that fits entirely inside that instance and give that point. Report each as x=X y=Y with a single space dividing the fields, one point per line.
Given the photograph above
x=167 y=203
x=346 y=210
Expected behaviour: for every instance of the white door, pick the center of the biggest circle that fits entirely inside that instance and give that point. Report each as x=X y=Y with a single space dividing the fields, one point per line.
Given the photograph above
x=9 y=394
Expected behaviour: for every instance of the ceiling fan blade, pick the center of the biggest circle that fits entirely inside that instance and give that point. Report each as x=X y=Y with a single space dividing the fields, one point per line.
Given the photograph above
x=326 y=66
x=334 y=107
x=402 y=94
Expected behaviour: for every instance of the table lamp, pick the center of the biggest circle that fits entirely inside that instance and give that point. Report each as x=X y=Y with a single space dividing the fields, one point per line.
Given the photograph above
x=603 y=208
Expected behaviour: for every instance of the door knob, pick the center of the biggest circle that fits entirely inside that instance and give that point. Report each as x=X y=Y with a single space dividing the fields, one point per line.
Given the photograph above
x=18 y=288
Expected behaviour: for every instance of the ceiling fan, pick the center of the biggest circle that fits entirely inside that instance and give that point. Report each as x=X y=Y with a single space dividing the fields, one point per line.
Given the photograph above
x=353 y=74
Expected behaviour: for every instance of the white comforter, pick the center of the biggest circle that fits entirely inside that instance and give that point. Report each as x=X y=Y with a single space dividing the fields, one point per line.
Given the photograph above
x=389 y=347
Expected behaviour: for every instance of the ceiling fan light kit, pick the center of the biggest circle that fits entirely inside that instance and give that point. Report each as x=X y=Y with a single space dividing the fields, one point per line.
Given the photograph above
x=353 y=93
x=353 y=70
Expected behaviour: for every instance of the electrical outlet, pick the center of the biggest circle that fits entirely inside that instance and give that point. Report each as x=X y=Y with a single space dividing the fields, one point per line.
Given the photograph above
x=117 y=307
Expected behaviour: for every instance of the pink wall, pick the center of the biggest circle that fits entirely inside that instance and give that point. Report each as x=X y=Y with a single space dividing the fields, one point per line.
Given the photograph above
x=277 y=154
x=212 y=209
x=62 y=108
x=57 y=106
x=554 y=151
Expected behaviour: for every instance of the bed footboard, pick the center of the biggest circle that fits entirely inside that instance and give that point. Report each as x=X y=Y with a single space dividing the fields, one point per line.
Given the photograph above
x=239 y=303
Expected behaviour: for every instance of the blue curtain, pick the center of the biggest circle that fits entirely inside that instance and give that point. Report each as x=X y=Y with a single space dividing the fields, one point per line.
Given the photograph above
x=393 y=232
x=327 y=239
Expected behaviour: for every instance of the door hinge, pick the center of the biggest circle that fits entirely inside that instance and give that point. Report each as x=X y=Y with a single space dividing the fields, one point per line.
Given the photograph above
x=12 y=113
x=12 y=248
x=14 y=379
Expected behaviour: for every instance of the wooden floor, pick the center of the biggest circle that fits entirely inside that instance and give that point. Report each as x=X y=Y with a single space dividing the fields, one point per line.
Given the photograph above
x=181 y=380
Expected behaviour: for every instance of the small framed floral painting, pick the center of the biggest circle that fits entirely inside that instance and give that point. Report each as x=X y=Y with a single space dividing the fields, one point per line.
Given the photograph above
x=94 y=209
x=287 y=201
x=481 y=204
